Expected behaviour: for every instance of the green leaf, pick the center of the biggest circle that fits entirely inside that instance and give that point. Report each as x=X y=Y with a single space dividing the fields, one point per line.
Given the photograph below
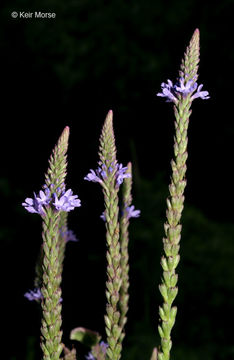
x=85 y=336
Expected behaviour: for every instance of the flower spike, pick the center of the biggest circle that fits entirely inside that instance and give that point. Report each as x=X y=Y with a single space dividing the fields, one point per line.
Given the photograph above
x=182 y=94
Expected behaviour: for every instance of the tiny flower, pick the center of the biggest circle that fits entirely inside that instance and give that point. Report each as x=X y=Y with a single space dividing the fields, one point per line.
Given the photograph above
x=101 y=173
x=35 y=205
x=132 y=212
x=99 y=348
x=103 y=346
x=67 y=201
x=90 y=356
x=32 y=205
x=92 y=176
x=34 y=295
x=70 y=236
x=204 y=95
x=103 y=216
x=101 y=170
x=171 y=91
x=168 y=91
x=121 y=173
x=44 y=197
x=185 y=89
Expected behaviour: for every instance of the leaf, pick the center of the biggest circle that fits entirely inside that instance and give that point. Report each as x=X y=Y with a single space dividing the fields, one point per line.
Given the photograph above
x=85 y=336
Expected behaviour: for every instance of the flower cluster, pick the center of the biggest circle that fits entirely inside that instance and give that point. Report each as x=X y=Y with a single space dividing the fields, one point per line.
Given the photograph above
x=131 y=213
x=102 y=171
x=66 y=201
x=171 y=91
x=34 y=295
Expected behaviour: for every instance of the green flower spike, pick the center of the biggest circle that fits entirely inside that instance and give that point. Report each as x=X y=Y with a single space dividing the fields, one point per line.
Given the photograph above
x=181 y=96
x=108 y=163
x=110 y=175
x=53 y=253
x=124 y=240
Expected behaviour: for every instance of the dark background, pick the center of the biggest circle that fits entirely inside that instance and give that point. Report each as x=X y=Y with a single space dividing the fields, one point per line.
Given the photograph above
x=95 y=56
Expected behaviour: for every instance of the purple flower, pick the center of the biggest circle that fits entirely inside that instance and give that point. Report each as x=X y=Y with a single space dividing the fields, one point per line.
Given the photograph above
x=132 y=212
x=99 y=347
x=204 y=95
x=35 y=205
x=34 y=295
x=69 y=235
x=90 y=356
x=168 y=91
x=67 y=201
x=171 y=91
x=102 y=172
x=92 y=176
x=103 y=216
x=103 y=347
x=185 y=89
x=121 y=173
x=99 y=174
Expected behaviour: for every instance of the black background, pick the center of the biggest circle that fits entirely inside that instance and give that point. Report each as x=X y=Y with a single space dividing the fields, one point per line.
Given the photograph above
x=95 y=56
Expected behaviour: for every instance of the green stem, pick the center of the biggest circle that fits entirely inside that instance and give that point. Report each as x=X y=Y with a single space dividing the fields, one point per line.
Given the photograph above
x=175 y=202
x=107 y=153
x=51 y=291
x=124 y=240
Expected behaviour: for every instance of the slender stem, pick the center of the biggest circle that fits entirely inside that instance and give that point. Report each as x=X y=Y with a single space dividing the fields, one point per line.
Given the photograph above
x=51 y=291
x=175 y=202
x=107 y=153
x=124 y=240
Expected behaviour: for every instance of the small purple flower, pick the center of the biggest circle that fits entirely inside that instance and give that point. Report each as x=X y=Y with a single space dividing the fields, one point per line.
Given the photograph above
x=67 y=201
x=185 y=89
x=44 y=197
x=92 y=176
x=168 y=91
x=121 y=173
x=69 y=235
x=35 y=205
x=171 y=91
x=34 y=295
x=103 y=216
x=204 y=95
x=101 y=173
x=132 y=212
x=90 y=356
x=103 y=347
x=102 y=170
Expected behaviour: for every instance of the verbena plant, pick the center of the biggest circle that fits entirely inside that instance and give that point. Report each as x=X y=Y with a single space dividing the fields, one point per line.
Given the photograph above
x=54 y=202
